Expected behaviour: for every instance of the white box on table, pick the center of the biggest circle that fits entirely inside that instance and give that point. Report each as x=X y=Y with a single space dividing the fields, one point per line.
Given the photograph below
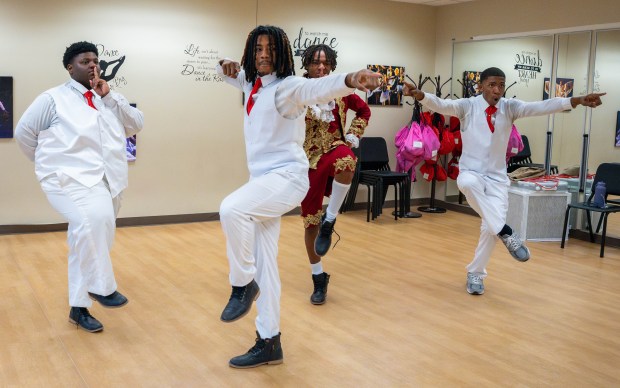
x=537 y=215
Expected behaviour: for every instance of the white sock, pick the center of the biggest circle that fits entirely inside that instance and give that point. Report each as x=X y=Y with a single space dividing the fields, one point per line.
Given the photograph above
x=339 y=192
x=317 y=268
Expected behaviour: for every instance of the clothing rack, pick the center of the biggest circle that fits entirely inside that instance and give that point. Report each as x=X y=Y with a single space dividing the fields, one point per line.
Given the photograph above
x=431 y=208
x=511 y=85
x=415 y=117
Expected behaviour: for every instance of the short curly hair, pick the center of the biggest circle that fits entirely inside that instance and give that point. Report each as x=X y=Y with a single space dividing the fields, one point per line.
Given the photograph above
x=76 y=49
x=491 y=72
x=308 y=55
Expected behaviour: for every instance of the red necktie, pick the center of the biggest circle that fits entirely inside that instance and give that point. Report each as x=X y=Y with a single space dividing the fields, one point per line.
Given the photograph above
x=490 y=110
x=257 y=84
x=89 y=99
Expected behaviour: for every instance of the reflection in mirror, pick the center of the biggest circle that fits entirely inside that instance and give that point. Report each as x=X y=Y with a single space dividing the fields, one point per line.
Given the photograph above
x=571 y=80
x=604 y=146
x=526 y=61
x=569 y=128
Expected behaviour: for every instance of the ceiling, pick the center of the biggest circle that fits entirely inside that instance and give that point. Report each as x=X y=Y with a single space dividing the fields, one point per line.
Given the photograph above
x=433 y=2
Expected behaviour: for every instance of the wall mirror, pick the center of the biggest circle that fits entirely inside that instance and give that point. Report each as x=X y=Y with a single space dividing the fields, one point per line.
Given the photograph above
x=526 y=62
x=566 y=64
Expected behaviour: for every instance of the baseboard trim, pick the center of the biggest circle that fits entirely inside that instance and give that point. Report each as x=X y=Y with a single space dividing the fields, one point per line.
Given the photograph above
x=206 y=217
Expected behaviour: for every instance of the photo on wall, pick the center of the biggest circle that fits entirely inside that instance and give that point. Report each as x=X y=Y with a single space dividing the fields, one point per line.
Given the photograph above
x=390 y=92
x=6 y=107
x=563 y=87
x=471 y=83
x=618 y=130
x=131 y=145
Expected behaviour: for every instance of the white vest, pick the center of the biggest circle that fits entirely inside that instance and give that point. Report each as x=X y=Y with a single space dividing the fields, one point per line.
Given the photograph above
x=83 y=143
x=273 y=142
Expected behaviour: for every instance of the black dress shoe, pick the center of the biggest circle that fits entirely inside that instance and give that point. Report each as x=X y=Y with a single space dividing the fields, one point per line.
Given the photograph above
x=114 y=300
x=320 y=288
x=264 y=351
x=240 y=302
x=82 y=318
x=324 y=238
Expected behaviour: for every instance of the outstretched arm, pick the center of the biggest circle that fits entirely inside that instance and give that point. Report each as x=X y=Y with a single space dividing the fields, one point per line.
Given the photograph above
x=364 y=80
x=231 y=72
x=295 y=93
x=411 y=91
x=230 y=68
x=592 y=100
x=434 y=103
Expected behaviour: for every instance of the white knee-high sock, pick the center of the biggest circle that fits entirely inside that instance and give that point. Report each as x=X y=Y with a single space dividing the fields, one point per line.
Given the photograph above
x=317 y=268
x=339 y=192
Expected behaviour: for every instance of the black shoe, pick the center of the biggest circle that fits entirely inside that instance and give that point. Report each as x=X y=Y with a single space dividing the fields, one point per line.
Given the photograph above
x=114 y=300
x=265 y=351
x=324 y=238
x=320 y=288
x=82 y=318
x=240 y=302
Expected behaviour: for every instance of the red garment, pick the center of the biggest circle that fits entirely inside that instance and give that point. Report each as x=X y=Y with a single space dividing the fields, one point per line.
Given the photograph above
x=442 y=176
x=328 y=153
x=339 y=159
x=453 y=168
x=321 y=137
x=458 y=143
x=455 y=124
x=428 y=171
x=447 y=143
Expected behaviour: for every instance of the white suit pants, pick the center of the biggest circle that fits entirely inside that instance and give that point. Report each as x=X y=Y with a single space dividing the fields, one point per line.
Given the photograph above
x=489 y=199
x=250 y=217
x=91 y=214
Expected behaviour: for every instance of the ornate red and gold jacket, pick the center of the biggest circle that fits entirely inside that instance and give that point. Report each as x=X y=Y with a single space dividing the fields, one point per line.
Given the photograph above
x=323 y=136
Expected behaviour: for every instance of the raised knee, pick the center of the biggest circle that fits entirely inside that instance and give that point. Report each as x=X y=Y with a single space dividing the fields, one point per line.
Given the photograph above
x=226 y=210
x=101 y=216
x=465 y=182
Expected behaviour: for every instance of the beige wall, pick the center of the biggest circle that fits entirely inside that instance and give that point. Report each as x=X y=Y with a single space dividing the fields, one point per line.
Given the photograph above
x=191 y=152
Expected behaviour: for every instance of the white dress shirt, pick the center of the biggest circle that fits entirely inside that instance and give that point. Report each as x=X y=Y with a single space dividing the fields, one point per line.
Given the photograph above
x=485 y=151
x=63 y=135
x=274 y=138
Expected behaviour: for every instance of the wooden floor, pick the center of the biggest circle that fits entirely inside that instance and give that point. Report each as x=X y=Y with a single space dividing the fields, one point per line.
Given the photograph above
x=397 y=313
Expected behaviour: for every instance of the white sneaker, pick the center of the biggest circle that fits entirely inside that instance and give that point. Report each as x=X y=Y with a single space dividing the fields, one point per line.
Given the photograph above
x=515 y=246
x=475 y=285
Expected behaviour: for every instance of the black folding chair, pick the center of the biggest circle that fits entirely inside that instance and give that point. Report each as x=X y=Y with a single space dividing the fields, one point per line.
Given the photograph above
x=373 y=171
x=610 y=174
x=524 y=159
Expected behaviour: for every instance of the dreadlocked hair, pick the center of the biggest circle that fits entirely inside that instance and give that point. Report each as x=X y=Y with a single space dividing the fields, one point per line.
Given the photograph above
x=76 y=49
x=283 y=65
x=308 y=55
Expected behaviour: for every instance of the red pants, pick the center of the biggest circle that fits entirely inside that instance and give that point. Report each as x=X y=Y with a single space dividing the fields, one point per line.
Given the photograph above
x=339 y=159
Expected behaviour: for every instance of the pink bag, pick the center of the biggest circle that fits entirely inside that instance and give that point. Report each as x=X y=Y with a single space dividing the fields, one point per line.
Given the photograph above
x=515 y=143
x=431 y=143
x=409 y=141
x=410 y=150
